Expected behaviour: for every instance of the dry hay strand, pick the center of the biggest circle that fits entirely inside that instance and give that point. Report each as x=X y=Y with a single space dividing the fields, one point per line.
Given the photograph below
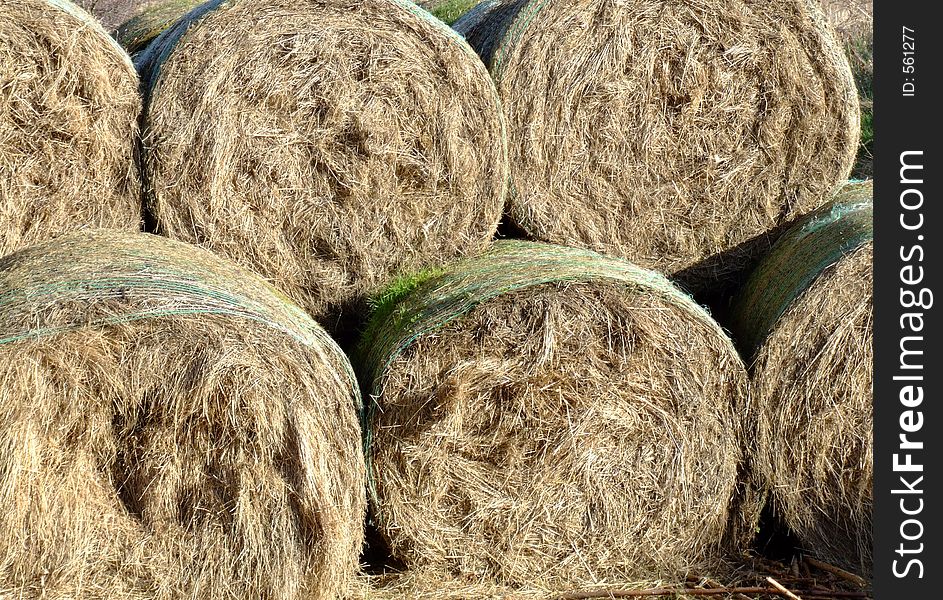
x=112 y=13
x=69 y=106
x=141 y=29
x=324 y=144
x=667 y=132
x=806 y=315
x=171 y=427
x=545 y=416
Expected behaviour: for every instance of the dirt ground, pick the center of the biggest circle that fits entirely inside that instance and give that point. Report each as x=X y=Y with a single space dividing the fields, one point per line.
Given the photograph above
x=849 y=14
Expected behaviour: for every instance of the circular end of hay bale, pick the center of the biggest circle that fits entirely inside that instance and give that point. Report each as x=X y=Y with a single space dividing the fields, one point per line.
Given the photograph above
x=326 y=145
x=667 y=132
x=69 y=106
x=548 y=416
x=812 y=383
x=171 y=427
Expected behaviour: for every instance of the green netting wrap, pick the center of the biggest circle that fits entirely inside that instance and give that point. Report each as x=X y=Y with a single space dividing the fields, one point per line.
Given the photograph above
x=525 y=13
x=799 y=257
x=149 y=276
x=435 y=298
x=487 y=25
x=149 y=60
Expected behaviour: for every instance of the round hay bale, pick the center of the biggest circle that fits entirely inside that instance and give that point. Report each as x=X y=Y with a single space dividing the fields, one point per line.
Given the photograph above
x=171 y=427
x=69 y=106
x=806 y=316
x=544 y=416
x=667 y=133
x=325 y=144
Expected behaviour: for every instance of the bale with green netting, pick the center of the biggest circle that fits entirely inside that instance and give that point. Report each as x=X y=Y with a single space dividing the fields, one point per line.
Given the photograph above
x=324 y=144
x=806 y=317
x=69 y=106
x=546 y=416
x=171 y=427
x=668 y=133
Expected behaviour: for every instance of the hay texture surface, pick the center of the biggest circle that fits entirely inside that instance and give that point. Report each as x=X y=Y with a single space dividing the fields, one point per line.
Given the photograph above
x=544 y=416
x=69 y=106
x=807 y=315
x=324 y=144
x=667 y=132
x=171 y=427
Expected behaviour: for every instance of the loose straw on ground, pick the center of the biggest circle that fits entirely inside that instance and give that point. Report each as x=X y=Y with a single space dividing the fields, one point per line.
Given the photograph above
x=544 y=416
x=806 y=318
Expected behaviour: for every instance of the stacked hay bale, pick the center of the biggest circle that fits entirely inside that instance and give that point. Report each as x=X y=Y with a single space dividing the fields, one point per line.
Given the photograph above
x=325 y=144
x=171 y=427
x=806 y=316
x=69 y=106
x=668 y=133
x=543 y=416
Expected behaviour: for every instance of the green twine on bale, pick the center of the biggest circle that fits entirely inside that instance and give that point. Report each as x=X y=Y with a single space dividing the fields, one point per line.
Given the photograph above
x=422 y=303
x=150 y=276
x=815 y=243
x=521 y=21
x=149 y=60
x=503 y=15
x=137 y=32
